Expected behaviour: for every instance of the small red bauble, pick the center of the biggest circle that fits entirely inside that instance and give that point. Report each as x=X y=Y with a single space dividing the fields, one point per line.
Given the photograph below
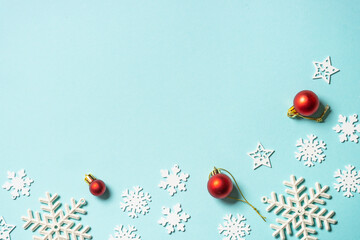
x=96 y=186
x=220 y=185
x=306 y=103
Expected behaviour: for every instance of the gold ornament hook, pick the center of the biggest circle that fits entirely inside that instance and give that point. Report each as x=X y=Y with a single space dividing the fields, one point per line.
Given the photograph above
x=292 y=113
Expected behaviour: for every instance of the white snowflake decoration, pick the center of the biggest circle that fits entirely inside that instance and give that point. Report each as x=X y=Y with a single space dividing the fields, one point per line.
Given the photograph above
x=310 y=150
x=261 y=156
x=300 y=210
x=324 y=70
x=174 y=218
x=126 y=234
x=234 y=228
x=19 y=183
x=135 y=202
x=348 y=128
x=173 y=181
x=56 y=224
x=5 y=229
x=348 y=181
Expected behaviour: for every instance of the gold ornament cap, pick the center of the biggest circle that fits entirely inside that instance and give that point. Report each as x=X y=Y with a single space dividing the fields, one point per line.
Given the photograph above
x=89 y=178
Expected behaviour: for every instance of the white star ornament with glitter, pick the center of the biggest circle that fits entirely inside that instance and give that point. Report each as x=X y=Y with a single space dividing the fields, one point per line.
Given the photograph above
x=261 y=156
x=5 y=229
x=324 y=70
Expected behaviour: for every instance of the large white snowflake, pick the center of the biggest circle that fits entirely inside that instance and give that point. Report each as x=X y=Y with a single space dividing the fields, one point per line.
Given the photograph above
x=19 y=183
x=261 y=156
x=310 y=150
x=126 y=234
x=300 y=210
x=234 y=228
x=5 y=229
x=348 y=128
x=56 y=224
x=348 y=181
x=173 y=181
x=174 y=218
x=324 y=70
x=135 y=202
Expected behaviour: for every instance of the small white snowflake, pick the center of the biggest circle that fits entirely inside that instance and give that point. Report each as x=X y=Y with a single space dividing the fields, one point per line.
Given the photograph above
x=301 y=210
x=348 y=181
x=324 y=70
x=234 y=228
x=173 y=180
x=5 y=229
x=135 y=202
x=348 y=128
x=19 y=184
x=56 y=224
x=174 y=218
x=261 y=156
x=126 y=234
x=310 y=150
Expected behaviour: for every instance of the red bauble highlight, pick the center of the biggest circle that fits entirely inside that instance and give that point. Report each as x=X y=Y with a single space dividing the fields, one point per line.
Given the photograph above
x=220 y=185
x=306 y=103
x=97 y=188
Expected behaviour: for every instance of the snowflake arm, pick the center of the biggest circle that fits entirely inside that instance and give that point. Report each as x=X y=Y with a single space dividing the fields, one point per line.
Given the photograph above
x=55 y=224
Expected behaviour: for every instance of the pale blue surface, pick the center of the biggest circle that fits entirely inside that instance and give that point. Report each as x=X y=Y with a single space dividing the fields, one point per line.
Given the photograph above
x=123 y=89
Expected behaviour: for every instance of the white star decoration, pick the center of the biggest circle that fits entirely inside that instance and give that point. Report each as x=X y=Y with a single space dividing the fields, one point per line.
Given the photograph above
x=261 y=156
x=324 y=70
x=5 y=229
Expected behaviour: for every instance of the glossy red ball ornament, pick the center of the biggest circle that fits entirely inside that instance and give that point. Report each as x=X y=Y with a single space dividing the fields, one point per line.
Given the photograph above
x=306 y=103
x=220 y=185
x=96 y=186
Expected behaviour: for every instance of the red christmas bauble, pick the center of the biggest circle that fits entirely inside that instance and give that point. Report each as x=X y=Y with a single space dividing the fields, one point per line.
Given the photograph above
x=220 y=185
x=306 y=103
x=97 y=187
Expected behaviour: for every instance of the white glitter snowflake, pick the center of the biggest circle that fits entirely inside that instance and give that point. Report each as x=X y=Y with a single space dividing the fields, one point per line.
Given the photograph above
x=234 y=228
x=173 y=180
x=126 y=234
x=310 y=150
x=174 y=218
x=324 y=70
x=261 y=156
x=135 y=202
x=348 y=128
x=348 y=181
x=300 y=210
x=5 y=229
x=56 y=224
x=19 y=184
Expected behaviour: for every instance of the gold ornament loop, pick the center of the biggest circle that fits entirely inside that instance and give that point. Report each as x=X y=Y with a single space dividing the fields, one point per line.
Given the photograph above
x=292 y=113
x=217 y=171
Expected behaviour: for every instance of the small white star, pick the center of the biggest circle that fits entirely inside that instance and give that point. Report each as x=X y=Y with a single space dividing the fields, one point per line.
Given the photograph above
x=5 y=229
x=261 y=156
x=324 y=70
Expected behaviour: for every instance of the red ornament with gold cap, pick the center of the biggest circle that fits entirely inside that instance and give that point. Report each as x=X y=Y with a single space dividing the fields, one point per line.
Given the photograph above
x=306 y=104
x=96 y=186
x=220 y=186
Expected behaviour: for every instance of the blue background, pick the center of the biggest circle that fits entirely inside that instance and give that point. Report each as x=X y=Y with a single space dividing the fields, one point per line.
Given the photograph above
x=123 y=89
